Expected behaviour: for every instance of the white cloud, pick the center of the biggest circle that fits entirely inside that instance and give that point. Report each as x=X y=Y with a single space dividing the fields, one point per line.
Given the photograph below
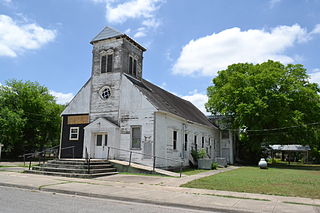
x=272 y=3
x=131 y=10
x=141 y=10
x=316 y=29
x=315 y=76
x=151 y=23
x=141 y=32
x=62 y=98
x=6 y=2
x=16 y=38
x=207 y=55
x=197 y=99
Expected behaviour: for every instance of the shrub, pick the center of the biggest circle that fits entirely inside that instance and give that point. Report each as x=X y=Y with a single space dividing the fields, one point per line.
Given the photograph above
x=202 y=153
x=194 y=154
x=214 y=165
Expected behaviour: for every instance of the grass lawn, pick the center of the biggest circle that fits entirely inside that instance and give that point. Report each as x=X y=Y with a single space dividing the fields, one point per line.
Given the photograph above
x=192 y=171
x=300 y=181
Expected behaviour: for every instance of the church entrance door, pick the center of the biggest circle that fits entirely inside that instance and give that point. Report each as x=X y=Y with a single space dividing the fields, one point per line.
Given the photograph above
x=101 y=142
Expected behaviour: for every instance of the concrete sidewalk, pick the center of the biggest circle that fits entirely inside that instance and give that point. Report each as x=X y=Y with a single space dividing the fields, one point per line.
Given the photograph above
x=161 y=191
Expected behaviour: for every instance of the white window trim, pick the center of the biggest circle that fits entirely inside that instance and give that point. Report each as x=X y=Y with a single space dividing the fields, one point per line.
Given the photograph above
x=131 y=137
x=74 y=139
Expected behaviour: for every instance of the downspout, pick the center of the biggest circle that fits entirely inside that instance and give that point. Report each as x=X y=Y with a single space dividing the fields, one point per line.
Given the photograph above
x=154 y=133
x=183 y=139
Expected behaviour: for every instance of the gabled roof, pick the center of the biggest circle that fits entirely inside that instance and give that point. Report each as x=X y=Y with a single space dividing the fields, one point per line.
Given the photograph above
x=106 y=33
x=168 y=102
x=109 y=32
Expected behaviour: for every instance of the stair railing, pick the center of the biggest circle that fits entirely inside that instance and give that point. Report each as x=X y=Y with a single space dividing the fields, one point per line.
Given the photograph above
x=154 y=157
x=87 y=161
x=42 y=155
x=69 y=147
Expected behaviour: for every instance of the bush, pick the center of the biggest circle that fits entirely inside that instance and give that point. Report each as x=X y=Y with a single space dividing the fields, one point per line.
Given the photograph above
x=194 y=154
x=214 y=165
x=202 y=153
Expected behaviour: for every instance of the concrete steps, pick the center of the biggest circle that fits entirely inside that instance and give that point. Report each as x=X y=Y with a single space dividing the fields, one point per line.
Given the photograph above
x=75 y=168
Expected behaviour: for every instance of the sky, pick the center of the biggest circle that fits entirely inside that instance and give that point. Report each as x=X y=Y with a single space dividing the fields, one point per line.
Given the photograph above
x=187 y=41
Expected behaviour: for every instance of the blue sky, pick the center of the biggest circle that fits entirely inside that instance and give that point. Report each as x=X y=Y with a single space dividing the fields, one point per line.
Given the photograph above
x=187 y=41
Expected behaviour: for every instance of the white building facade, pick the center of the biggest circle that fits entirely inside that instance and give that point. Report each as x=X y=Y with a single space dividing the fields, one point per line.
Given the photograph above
x=117 y=112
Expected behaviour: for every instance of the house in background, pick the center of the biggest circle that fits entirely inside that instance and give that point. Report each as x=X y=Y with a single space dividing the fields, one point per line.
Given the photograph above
x=117 y=108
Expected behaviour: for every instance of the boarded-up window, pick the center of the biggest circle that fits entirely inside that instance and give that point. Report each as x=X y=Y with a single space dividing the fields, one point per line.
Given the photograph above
x=103 y=63
x=185 y=142
x=174 y=141
x=78 y=119
x=136 y=137
x=110 y=60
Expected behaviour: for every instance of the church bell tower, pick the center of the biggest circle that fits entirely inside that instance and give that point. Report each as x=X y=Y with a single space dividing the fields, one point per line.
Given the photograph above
x=114 y=54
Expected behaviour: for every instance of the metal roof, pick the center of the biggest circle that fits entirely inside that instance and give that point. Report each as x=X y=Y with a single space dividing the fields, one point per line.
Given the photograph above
x=167 y=102
x=292 y=147
x=106 y=33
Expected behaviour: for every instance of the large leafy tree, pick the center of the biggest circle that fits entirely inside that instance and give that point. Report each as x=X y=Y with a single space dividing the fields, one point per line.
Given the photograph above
x=29 y=117
x=275 y=102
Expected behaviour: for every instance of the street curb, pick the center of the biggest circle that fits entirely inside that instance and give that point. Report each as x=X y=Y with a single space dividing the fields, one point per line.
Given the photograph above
x=135 y=200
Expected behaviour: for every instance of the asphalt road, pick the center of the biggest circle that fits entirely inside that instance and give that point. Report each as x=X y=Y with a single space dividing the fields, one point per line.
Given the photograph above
x=14 y=200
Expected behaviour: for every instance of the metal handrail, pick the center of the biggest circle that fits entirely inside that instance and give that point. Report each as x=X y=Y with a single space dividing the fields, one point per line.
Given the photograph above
x=69 y=147
x=153 y=156
x=43 y=152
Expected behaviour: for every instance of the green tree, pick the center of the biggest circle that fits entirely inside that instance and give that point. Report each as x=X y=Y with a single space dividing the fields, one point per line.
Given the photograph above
x=276 y=103
x=29 y=117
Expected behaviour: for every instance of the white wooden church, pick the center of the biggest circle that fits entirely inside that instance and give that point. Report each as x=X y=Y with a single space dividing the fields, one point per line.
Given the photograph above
x=117 y=108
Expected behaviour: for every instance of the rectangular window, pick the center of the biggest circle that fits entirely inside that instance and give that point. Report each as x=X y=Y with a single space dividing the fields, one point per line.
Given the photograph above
x=130 y=65
x=174 y=140
x=136 y=137
x=134 y=67
x=195 y=143
x=225 y=134
x=74 y=133
x=99 y=140
x=105 y=140
x=185 y=142
x=209 y=141
x=202 y=142
x=110 y=60
x=103 y=63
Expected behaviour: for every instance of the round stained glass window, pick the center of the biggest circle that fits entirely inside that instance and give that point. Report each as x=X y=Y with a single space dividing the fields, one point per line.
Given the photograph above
x=105 y=92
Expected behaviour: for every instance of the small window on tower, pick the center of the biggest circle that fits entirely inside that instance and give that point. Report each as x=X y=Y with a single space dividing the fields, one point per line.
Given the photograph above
x=130 y=65
x=109 y=63
x=103 y=63
x=134 y=67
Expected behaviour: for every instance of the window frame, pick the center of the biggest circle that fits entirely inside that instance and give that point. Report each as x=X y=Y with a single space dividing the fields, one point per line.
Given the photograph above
x=186 y=142
x=202 y=142
x=103 y=63
x=131 y=137
x=174 y=139
x=77 y=134
x=105 y=56
x=109 y=63
x=133 y=66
